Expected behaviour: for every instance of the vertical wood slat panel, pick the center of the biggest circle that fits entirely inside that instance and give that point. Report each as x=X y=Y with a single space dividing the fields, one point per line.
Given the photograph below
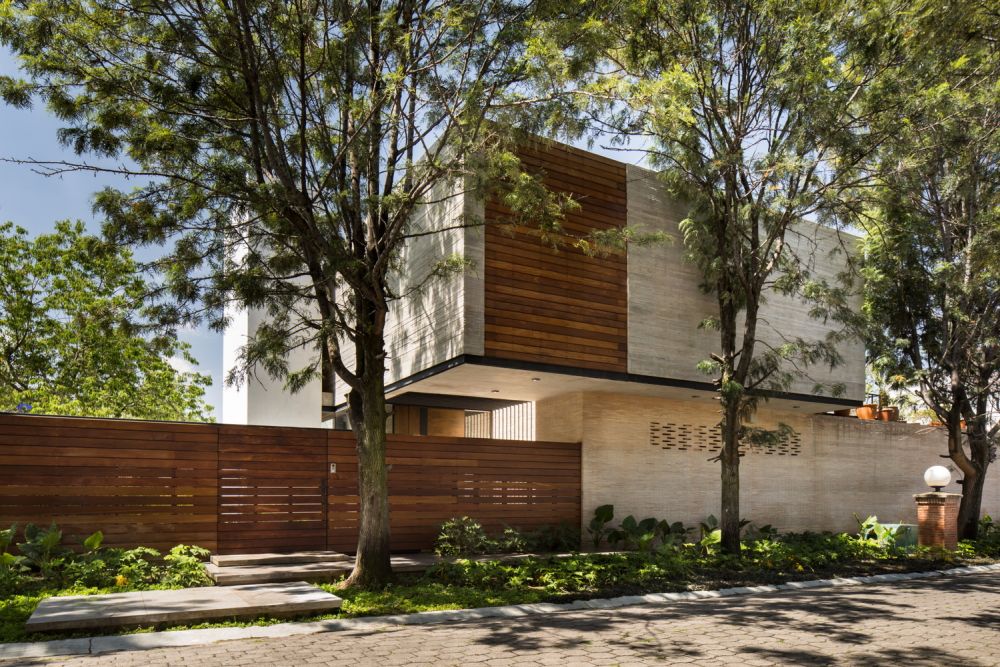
x=565 y=307
x=149 y=483
x=524 y=484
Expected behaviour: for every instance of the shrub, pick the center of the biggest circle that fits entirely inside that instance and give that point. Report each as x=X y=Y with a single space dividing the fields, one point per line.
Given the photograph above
x=45 y=564
x=185 y=567
x=462 y=536
x=988 y=542
x=554 y=539
x=598 y=526
x=138 y=567
x=43 y=550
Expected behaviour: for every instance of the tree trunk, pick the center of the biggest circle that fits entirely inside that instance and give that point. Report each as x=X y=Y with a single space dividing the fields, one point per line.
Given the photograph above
x=974 y=481
x=368 y=416
x=972 y=473
x=972 y=502
x=729 y=522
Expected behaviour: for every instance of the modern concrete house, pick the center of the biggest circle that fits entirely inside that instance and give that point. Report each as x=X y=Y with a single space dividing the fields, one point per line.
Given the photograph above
x=535 y=342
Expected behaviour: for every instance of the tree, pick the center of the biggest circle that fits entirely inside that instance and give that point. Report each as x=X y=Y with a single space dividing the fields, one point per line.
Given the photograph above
x=71 y=342
x=932 y=254
x=289 y=144
x=750 y=109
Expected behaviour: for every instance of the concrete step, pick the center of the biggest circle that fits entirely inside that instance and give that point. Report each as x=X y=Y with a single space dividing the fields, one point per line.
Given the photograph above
x=229 y=575
x=238 y=560
x=189 y=605
x=258 y=574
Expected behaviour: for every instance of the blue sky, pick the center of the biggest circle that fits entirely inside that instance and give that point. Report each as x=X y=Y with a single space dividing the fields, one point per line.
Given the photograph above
x=36 y=202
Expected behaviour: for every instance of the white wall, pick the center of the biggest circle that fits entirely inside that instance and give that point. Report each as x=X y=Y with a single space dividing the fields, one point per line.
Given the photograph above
x=264 y=400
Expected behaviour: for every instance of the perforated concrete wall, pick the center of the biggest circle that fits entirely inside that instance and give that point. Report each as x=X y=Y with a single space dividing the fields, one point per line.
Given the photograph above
x=833 y=468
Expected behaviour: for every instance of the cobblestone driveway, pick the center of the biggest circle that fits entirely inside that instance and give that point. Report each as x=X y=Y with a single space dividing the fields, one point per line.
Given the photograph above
x=943 y=621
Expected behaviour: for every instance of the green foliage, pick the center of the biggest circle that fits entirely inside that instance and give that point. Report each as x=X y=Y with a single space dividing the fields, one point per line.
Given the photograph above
x=462 y=536
x=563 y=537
x=465 y=537
x=7 y=538
x=634 y=535
x=581 y=574
x=987 y=542
x=93 y=542
x=43 y=549
x=186 y=567
x=869 y=528
x=645 y=536
x=598 y=526
x=139 y=567
x=71 y=319
x=45 y=564
x=931 y=254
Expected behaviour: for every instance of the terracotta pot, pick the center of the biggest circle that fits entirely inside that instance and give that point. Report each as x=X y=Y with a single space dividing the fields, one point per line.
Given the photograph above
x=937 y=423
x=867 y=412
x=889 y=414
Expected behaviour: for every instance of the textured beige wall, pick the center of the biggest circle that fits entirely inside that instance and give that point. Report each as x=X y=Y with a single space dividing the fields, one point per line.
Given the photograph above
x=844 y=465
x=426 y=327
x=666 y=304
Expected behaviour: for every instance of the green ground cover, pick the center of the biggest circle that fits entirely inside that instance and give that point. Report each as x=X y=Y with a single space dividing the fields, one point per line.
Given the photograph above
x=660 y=565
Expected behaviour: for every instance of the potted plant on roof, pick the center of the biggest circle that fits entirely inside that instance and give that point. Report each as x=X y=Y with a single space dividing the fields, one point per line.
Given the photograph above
x=880 y=383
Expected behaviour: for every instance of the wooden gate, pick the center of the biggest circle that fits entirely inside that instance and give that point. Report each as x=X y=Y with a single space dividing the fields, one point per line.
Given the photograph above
x=272 y=489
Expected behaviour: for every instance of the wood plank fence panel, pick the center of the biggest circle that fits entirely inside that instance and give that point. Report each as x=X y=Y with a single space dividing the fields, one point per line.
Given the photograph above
x=499 y=483
x=245 y=489
x=272 y=489
x=150 y=483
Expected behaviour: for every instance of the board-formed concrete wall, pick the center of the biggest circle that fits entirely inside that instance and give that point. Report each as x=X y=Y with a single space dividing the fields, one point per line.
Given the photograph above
x=666 y=304
x=650 y=456
x=427 y=326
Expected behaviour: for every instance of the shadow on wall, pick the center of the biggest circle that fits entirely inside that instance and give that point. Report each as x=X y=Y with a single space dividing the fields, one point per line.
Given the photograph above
x=425 y=327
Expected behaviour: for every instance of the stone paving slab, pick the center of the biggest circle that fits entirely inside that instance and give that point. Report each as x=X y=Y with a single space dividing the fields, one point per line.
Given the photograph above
x=81 y=612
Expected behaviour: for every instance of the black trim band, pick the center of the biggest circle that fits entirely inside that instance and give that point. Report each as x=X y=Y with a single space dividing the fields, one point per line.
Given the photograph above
x=477 y=360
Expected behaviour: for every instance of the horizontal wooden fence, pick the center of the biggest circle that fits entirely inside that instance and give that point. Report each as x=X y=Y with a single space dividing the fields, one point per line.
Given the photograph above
x=244 y=489
x=151 y=483
x=500 y=483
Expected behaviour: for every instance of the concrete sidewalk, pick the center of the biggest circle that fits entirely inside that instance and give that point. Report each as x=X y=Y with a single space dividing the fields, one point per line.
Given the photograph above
x=746 y=622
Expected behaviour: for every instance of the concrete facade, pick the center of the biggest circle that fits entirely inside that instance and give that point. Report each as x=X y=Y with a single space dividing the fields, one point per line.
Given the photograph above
x=263 y=400
x=666 y=302
x=834 y=467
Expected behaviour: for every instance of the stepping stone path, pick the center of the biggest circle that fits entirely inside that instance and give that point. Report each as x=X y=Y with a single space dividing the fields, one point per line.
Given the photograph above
x=78 y=612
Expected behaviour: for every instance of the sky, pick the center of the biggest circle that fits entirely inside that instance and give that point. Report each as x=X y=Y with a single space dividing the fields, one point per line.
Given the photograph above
x=36 y=202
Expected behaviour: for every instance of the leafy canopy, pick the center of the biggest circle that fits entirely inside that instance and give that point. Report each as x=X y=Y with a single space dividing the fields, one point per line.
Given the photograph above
x=71 y=343
x=290 y=143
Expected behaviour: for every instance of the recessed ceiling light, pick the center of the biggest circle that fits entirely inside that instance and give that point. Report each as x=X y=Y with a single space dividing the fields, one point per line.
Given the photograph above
x=494 y=391
x=695 y=396
x=796 y=407
x=536 y=379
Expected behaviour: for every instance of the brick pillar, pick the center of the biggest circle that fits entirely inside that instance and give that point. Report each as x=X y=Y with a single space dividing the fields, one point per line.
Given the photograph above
x=937 y=519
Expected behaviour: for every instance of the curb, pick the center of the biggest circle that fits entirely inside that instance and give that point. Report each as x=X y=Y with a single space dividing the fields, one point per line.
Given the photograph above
x=176 y=638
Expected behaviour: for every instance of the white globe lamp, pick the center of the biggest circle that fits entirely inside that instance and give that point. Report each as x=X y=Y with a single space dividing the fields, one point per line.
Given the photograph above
x=937 y=477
